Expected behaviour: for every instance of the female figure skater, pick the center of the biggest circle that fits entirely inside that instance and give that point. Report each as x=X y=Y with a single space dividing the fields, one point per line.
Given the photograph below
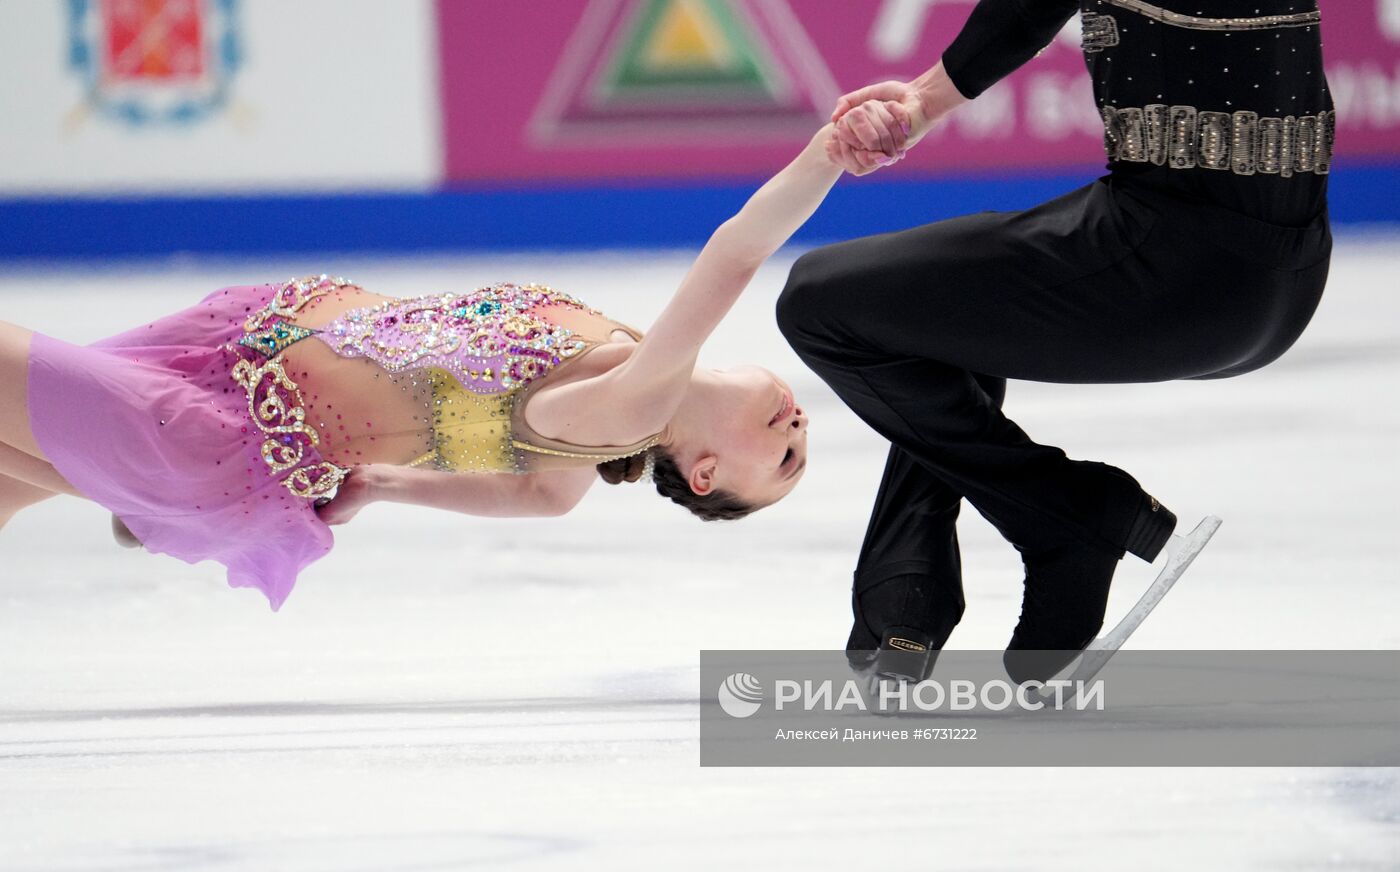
x=239 y=429
x=1202 y=254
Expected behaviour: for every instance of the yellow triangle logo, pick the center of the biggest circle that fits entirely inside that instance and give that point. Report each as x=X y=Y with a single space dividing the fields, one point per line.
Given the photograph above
x=687 y=35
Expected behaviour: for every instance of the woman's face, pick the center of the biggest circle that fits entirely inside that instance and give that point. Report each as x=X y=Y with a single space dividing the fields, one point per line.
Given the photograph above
x=757 y=437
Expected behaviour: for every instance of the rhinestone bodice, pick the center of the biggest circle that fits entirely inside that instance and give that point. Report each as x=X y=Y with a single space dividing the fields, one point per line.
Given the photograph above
x=487 y=339
x=466 y=361
x=437 y=381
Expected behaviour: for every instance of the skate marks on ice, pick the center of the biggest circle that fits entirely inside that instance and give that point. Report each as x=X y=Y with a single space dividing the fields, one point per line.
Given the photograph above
x=494 y=731
x=434 y=851
x=1372 y=793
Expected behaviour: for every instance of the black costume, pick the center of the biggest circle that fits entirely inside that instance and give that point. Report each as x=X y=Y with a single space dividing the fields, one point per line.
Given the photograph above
x=1202 y=254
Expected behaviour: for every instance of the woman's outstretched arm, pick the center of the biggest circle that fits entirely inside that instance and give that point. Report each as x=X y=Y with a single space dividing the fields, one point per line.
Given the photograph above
x=644 y=392
x=727 y=263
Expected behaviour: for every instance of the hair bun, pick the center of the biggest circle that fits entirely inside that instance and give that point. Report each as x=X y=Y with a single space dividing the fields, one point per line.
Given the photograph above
x=623 y=468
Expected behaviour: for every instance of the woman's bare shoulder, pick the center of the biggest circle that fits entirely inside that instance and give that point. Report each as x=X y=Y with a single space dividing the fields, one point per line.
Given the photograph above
x=582 y=404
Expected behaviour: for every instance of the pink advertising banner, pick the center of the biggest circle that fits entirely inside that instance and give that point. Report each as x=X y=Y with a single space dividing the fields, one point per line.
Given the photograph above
x=557 y=90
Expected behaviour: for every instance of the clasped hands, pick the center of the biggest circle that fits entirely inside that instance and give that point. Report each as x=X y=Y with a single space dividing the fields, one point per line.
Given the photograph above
x=875 y=126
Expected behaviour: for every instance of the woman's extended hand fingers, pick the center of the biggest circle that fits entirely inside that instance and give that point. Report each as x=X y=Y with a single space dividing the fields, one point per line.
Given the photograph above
x=351 y=496
x=839 y=154
x=336 y=512
x=856 y=161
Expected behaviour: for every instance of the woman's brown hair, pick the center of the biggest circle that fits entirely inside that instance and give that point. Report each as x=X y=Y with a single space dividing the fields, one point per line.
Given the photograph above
x=717 y=505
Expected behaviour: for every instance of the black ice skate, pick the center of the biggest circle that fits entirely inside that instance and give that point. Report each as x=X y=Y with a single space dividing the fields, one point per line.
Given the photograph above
x=901 y=622
x=1181 y=552
x=1066 y=592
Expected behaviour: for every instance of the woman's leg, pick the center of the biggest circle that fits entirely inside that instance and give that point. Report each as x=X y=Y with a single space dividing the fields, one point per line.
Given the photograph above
x=29 y=470
x=14 y=392
x=16 y=495
x=26 y=480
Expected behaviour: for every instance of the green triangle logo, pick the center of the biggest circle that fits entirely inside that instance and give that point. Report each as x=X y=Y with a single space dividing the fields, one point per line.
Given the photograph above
x=687 y=43
x=666 y=71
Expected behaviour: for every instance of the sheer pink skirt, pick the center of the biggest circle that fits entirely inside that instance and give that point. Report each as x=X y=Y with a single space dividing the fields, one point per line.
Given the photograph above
x=149 y=424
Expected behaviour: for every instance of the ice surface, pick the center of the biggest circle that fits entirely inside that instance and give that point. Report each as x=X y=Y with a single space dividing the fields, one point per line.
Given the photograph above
x=446 y=692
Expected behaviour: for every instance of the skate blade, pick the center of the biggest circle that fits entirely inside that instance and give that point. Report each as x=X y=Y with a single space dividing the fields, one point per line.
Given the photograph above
x=1180 y=557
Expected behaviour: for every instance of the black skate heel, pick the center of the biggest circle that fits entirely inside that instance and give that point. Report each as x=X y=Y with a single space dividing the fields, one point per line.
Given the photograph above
x=1151 y=523
x=902 y=620
x=1151 y=529
x=905 y=653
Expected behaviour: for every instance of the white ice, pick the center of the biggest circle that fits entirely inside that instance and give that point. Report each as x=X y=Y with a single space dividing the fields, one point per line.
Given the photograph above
x=445 y=692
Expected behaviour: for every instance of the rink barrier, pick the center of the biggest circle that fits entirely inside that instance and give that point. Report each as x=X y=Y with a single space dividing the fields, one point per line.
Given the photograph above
x=536 y=218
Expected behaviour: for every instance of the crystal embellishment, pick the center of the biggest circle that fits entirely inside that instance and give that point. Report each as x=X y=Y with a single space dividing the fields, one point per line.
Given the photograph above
x=1242 y=142
x=486 y=338
x=275 y=403
x=1100 y=32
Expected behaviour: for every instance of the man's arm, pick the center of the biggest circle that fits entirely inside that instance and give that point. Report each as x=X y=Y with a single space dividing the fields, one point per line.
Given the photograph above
x=1000 y=36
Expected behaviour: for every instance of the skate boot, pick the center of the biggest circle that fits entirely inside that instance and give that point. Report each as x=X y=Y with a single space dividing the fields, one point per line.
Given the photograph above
x=124 y=537
x=901 y=623
x=1062 y=608
x=1182 y=551
x=1066 y=594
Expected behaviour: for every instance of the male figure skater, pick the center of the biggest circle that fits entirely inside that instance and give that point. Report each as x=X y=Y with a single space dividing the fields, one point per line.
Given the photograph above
x=1201 y=254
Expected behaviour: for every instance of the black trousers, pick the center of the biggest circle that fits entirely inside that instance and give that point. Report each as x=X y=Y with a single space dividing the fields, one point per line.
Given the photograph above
x=918 y=331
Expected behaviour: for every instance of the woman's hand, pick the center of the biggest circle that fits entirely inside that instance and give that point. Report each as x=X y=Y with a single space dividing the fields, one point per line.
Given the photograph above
x=868 y=136
x=354 y=493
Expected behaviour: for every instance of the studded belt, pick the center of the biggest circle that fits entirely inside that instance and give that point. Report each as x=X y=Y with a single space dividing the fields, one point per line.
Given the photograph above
x=1182 y=137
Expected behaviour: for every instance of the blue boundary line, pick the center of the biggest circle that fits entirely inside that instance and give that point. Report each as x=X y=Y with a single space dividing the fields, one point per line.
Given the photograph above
x=535 y=218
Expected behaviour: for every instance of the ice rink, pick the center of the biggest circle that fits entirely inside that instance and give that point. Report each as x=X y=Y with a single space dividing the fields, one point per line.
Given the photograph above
x=445 y=692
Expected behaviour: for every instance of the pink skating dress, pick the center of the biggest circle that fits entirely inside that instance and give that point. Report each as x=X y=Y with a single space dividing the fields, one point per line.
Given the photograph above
x=213 y=432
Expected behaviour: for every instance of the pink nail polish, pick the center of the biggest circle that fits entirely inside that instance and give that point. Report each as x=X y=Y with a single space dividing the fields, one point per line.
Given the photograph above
x=904 y=125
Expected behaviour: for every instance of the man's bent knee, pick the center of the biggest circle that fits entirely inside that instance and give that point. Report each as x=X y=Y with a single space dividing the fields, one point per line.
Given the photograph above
x=807 y=297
